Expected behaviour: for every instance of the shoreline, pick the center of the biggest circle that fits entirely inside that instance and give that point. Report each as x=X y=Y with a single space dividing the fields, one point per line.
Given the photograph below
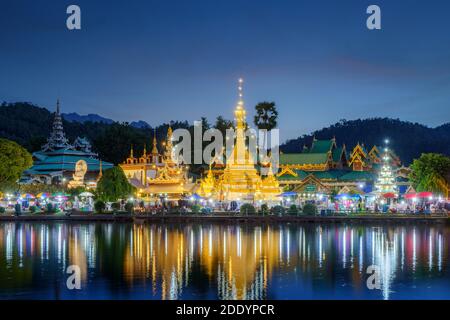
x=126 y=218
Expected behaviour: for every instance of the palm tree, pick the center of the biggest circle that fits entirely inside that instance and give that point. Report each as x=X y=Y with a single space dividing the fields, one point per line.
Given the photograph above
x=266 y=117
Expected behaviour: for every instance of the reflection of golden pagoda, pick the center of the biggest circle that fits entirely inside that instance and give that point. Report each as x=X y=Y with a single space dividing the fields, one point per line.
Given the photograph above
x=242 y=261
x=157 y=174
x=240 y=179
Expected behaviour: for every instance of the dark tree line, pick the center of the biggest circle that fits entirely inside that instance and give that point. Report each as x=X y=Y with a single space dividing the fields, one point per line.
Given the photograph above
x=30 y=125
x=409 y=140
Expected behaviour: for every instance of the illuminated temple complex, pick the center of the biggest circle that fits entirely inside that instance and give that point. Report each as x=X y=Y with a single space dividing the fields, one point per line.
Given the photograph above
x=239 y=179
x=156 y=174
x=326 y=168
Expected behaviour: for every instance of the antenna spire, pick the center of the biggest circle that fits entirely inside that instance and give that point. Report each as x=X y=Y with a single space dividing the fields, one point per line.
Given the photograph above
x=57 y=107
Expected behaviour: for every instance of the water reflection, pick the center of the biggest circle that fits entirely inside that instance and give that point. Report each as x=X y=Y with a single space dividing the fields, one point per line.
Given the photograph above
x=208 y=261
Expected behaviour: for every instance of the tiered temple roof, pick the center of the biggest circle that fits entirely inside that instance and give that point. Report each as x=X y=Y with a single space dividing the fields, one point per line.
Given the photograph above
x=57 y=159
x=323 y=155
x=324 y=161
x=155 y=174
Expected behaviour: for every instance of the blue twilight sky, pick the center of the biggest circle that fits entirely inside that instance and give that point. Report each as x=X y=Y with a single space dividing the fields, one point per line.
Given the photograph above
x=174 y=60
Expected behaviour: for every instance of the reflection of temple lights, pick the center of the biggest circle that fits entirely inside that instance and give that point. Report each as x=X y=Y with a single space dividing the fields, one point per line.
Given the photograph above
x=243 y=260
x=440 y=252
x=430 y=252
x=320 y=250
x=414 y=251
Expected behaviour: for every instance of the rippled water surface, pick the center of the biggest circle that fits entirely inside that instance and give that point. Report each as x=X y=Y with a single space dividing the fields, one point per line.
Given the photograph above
x=224 y=261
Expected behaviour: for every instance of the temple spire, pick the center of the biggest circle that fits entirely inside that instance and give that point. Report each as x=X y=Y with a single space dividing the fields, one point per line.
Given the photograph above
x=169 y=146
x=240 y=111
x=155 y=144
x=57 y=139
x=57 y=107
x=240 y=154
x=241 y=90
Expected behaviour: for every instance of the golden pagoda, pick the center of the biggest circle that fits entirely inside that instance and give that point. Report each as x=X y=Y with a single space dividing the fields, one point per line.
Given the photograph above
x=157 y=175
x=240 y=180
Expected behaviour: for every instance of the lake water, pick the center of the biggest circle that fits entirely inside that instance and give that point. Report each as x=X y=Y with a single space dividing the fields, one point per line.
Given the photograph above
x=224 y=261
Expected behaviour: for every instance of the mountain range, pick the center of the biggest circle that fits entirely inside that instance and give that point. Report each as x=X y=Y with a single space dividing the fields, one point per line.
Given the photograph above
x=95 y=118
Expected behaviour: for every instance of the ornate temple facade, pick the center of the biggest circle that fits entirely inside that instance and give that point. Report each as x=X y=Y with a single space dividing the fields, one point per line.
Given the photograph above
x=326 y=168
x=59 y=162
x=239 y=179
x=156 y=174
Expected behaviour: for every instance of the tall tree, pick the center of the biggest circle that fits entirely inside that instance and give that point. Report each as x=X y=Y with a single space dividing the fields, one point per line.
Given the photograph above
x=222 y=125
x=113 y=143
x=114 y=185
x=266 y=117
x=14 y=159
x=428 y=171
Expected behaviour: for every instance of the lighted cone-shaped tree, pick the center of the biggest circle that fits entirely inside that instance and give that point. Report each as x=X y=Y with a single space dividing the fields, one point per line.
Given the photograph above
x=385 y=183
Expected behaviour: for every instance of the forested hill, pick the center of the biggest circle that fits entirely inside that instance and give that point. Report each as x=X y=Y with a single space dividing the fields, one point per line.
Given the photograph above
x=408 y=139
x=30 y=125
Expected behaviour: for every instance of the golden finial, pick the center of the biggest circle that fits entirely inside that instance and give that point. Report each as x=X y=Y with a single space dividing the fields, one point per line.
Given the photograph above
x=131 y=152
x=169 y=145
x=145 y=150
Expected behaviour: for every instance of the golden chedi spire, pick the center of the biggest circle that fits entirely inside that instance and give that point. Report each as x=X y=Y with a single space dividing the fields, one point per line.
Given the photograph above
x=131 y=157
x=168 y=155
x=240 y=112
x=155 y=144
x=241 y=180
x=240 y=154
x=143 y=158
